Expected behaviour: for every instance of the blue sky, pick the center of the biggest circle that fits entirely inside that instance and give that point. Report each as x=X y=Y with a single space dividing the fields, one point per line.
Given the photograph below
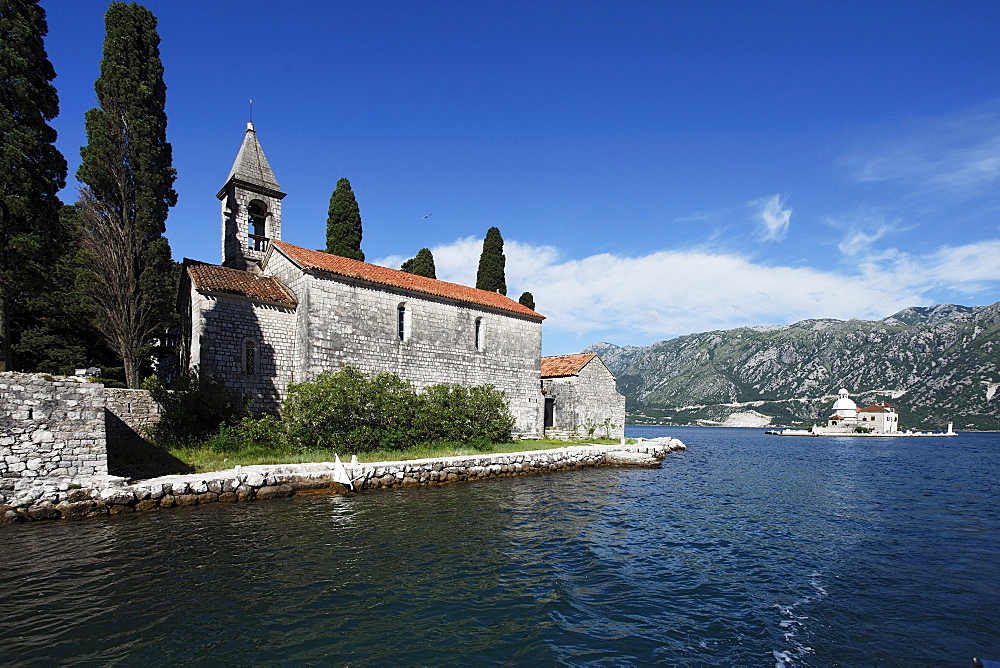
x=655 y=168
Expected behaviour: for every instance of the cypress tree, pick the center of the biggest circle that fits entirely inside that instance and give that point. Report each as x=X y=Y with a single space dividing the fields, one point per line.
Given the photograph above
x=55 y=326
x=492 y=264
x=527 y=299
x=32 y=170
x=421 y=265
x=343 y=223
x=129 y=188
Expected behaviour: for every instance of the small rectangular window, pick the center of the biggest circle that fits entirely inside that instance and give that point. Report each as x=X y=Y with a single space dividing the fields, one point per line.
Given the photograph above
x=401 y=322
x=249 y=357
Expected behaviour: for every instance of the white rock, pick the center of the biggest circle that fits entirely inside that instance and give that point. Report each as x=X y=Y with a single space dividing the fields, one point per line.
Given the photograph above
x=43 y=436
x=255 y=479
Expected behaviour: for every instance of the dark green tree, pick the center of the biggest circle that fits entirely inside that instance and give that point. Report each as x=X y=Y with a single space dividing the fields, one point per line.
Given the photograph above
x=492 y=264
x=527 y=299
x=32 y=170
x=55 y=325
x=129 y=188
x=343 y=223
x=421 y=265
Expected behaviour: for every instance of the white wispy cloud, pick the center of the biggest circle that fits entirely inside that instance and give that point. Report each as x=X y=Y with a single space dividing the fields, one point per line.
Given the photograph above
x=862 y=229
x=967 y=269
x=671 y=292
x=773 y=217
x=957 y=154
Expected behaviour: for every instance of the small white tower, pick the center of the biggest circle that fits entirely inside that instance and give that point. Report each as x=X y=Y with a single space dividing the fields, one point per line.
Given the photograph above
x=251 y=207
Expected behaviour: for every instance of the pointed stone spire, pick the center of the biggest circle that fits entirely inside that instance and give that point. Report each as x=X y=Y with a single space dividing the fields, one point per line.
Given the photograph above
x=251 y=164
x=251 y=207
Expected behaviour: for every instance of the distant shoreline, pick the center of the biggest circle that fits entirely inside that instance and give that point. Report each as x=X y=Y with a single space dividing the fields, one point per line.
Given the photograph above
x=723 y=426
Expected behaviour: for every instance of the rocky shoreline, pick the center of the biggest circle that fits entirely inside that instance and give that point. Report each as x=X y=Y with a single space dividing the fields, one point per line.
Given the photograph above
x=108 y=495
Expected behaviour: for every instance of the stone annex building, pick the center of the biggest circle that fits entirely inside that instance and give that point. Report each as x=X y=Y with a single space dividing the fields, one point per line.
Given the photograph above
x=581 y=396
x=273 y=313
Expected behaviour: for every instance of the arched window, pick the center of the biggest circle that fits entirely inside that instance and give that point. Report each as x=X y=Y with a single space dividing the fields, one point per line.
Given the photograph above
x=250 y=357
x=257 y=226
x=480 y=334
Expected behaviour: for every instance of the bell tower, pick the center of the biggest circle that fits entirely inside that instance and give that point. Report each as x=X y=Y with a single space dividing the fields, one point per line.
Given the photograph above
x=251 y=207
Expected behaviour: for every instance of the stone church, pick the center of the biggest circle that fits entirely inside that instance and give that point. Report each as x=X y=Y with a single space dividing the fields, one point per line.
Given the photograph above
x=273 y=313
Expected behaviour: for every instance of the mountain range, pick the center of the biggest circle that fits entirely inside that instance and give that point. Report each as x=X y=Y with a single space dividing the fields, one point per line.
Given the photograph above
x=937 y=364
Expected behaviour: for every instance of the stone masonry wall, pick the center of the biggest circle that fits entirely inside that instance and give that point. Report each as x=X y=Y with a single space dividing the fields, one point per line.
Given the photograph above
x=128 y=413
x=51 y=432
x=356 y=324
x=586 y=400
x=236 y=224
x=218 y=346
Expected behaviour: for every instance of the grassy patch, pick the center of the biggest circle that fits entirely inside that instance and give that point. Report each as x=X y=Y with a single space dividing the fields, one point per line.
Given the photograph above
x=202 y=459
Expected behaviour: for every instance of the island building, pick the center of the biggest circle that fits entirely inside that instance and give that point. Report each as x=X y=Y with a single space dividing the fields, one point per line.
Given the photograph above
x=581 y=397
x=273 y=313
x=846 y=417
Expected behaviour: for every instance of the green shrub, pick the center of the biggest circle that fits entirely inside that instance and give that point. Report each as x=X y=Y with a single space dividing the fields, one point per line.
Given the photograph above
x=266 y=431
x=463 y=414
x=223 y=441
x=347 y=410
x=195 y=409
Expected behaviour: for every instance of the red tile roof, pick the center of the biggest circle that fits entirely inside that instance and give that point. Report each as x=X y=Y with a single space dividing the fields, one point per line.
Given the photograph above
x=877 y=408
x=565 y=365
x=215 y=278
x=342 y=266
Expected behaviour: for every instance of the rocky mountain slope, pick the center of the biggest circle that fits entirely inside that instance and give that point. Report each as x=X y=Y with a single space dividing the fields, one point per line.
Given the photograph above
x=936 y=364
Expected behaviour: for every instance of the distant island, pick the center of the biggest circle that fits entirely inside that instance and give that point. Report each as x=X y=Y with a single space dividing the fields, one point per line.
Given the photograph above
x=936 y=364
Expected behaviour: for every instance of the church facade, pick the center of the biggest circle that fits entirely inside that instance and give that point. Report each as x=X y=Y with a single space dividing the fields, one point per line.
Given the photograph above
x=274 y=313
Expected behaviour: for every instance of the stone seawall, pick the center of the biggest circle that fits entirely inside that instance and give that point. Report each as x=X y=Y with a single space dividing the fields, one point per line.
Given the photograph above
x=247 y=483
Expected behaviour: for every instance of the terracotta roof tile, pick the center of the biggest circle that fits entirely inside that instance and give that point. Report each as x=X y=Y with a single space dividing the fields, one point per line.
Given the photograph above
x=215 y=278
x=565 y=365
x=877 y=408
x=342 y=266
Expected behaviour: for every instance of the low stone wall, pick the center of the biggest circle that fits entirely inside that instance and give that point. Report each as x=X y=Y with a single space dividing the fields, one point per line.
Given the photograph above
x=265 y=482
x=51 y=429
x=128 y=413
x=54 y=431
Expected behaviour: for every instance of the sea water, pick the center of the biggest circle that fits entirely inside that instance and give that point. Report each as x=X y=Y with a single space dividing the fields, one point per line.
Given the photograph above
x=746 y=549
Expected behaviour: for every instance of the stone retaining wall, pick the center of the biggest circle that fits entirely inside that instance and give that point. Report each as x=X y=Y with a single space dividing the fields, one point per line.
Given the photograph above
x=51 y=429
x=272 y=481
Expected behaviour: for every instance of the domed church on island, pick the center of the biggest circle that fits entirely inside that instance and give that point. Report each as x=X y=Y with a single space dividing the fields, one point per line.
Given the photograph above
x=880 y=418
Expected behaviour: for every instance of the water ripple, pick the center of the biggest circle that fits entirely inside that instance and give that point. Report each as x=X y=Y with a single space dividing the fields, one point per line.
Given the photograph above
x=742 y=551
